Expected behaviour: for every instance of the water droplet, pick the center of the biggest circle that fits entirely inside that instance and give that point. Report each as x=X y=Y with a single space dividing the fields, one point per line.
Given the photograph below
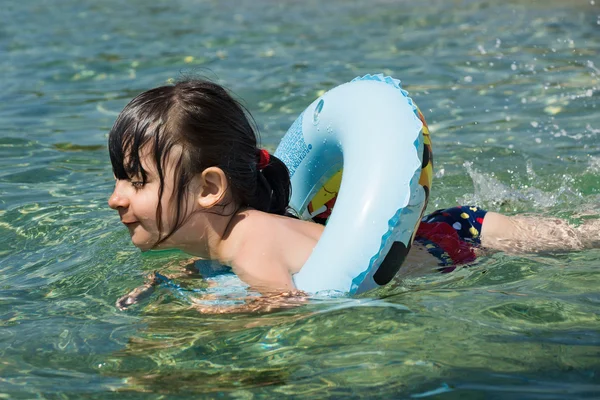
x=318 y=110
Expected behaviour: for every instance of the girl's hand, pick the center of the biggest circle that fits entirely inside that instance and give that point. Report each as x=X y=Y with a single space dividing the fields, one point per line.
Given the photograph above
x=185 y=269
x=138 y=294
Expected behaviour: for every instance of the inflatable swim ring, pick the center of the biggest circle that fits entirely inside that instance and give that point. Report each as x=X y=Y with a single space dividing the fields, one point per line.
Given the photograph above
x=360 y=162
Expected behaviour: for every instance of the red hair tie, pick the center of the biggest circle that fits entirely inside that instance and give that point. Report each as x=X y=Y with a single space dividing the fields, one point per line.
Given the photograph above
x=263 y=159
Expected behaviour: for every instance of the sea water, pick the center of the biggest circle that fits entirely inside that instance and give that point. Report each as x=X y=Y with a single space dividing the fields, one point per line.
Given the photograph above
x=511 y=92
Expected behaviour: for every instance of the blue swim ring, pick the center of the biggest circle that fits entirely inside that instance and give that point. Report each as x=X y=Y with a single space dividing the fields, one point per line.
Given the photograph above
x=360 y=162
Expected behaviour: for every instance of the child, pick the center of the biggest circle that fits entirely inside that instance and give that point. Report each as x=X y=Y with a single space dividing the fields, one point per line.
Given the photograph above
x=189 y=175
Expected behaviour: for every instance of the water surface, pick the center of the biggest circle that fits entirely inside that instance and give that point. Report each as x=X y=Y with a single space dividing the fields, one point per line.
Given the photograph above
x=511 y=92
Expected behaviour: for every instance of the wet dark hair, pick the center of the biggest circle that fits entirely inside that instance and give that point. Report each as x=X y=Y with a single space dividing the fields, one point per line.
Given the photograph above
x=212 y=129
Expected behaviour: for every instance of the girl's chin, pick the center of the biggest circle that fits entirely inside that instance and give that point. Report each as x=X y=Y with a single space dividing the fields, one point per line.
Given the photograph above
x=144 y=244
x=144 y=240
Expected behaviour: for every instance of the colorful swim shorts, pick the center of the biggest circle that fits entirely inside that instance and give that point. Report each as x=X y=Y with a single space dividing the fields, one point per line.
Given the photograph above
x=452 y=235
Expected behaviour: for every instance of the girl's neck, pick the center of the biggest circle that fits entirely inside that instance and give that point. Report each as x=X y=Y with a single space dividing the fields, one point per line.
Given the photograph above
x=233 y=235
x=211 y=236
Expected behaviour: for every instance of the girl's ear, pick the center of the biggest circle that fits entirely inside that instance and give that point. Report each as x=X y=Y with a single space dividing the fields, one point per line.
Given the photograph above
x=214 y=187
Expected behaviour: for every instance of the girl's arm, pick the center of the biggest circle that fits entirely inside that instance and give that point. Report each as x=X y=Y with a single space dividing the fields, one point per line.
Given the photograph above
x=267 y=302
x=529 y=234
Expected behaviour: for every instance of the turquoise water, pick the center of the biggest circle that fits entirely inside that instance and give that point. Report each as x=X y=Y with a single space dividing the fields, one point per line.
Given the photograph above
x=512 y=94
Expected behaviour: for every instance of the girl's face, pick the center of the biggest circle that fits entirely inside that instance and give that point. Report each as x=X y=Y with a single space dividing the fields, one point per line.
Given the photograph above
x=137 y=203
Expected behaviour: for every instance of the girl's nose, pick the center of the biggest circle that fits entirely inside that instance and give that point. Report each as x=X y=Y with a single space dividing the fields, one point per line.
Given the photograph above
x=118 y=198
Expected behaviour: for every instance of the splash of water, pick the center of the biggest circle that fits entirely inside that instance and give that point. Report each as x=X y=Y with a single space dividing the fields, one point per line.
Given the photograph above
x=489 y=191
x=594 y=165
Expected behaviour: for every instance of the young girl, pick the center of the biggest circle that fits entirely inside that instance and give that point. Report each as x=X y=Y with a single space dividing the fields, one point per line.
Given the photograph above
x=189 y=175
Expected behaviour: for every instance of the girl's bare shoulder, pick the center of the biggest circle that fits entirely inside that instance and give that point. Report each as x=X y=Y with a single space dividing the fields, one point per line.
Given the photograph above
x=276 y=245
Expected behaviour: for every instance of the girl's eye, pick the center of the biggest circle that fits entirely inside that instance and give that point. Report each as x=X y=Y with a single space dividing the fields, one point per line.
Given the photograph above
x=137 y=184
